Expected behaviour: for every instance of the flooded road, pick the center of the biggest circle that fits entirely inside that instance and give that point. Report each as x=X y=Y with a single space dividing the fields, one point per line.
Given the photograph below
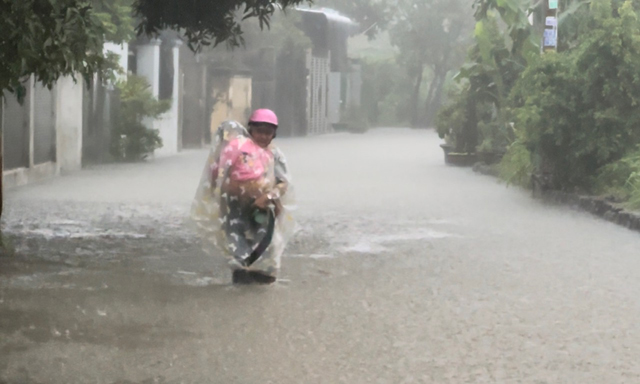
x=403 y=271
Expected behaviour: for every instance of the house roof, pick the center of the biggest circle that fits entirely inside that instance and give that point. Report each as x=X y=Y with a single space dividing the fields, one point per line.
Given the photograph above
x=328 y=31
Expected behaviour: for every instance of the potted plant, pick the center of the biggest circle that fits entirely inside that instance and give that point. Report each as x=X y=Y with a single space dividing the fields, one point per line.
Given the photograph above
x=457 y=124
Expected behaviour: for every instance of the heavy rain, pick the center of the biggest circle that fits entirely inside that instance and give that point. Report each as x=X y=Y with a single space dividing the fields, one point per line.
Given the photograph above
x=375 y=191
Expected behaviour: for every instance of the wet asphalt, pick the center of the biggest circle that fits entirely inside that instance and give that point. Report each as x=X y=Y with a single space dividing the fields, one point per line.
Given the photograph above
x=403 y=270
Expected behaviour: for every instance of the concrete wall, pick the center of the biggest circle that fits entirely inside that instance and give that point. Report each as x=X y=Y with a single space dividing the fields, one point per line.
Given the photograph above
x=68 y=109
x=167 y=126
x=194 y=103
x=355 y=86
x=169 y=123
x=28 y=172
x=334 y=102
x=69 y=125
x=148 y=66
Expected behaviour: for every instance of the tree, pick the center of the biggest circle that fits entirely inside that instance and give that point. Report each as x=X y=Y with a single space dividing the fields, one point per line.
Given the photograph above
x=504 y=43
x=576 y=110
x=117 y=19
x=206 y=22
x=431 y=38
x=429 y=34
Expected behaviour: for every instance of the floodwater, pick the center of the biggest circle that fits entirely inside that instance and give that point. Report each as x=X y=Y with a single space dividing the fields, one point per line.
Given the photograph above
x=403 y=270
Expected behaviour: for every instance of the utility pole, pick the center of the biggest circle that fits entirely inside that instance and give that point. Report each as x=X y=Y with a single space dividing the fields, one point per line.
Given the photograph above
x=550 y=37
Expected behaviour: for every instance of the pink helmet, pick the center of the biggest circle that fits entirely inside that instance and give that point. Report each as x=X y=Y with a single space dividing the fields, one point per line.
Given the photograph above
x=264 y=116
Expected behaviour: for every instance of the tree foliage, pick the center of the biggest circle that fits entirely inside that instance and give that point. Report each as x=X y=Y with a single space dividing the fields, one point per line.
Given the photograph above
x=621 y=179
x=206 y=22
x=117 y=19
x=515 y=14
x=48 y=39
x=569 y=119
x=54 y=38
x=283 y=32
x=578 y=110
x=503 y=45
x=431 y=36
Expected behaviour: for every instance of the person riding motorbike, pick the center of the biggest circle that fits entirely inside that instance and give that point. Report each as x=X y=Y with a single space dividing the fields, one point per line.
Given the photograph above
x=241 y=204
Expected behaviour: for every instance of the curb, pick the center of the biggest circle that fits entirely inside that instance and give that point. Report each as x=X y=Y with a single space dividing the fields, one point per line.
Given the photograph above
x=597 y=206
x=485 y=169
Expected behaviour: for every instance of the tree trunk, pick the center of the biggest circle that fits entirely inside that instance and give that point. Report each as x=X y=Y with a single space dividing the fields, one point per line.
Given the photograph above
x=469 y=140
x=1 y=168
x=427 y=101
x=434 y=98
x=415 y=100
x=1 y=155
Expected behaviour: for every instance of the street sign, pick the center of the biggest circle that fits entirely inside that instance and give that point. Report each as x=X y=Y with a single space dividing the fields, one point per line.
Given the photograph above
x=551 y=21
x=550 y=36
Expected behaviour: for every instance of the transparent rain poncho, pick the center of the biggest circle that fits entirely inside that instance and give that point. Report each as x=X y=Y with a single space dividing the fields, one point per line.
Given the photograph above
x=223 y=209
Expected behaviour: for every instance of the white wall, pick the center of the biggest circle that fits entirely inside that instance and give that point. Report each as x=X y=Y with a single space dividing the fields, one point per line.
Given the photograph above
x=69 y=124
x=168 y=124
x=148 y=64
x=335 y=87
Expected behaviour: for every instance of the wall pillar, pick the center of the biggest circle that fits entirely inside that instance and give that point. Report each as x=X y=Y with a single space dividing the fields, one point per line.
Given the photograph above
x=69 y=121
x=148 y=64
x=168 y=124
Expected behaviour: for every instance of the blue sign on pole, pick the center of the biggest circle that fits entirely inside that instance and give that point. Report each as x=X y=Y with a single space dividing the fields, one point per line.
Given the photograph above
x=550 y=38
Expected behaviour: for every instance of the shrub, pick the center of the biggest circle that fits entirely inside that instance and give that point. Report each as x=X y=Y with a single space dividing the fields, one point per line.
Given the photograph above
x=131 y=140
x=458 y=122
x=621 y=179
x=516 y=166
x=578 y=109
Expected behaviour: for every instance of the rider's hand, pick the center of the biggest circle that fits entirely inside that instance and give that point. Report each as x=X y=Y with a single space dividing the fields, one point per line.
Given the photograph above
x=263 y=201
